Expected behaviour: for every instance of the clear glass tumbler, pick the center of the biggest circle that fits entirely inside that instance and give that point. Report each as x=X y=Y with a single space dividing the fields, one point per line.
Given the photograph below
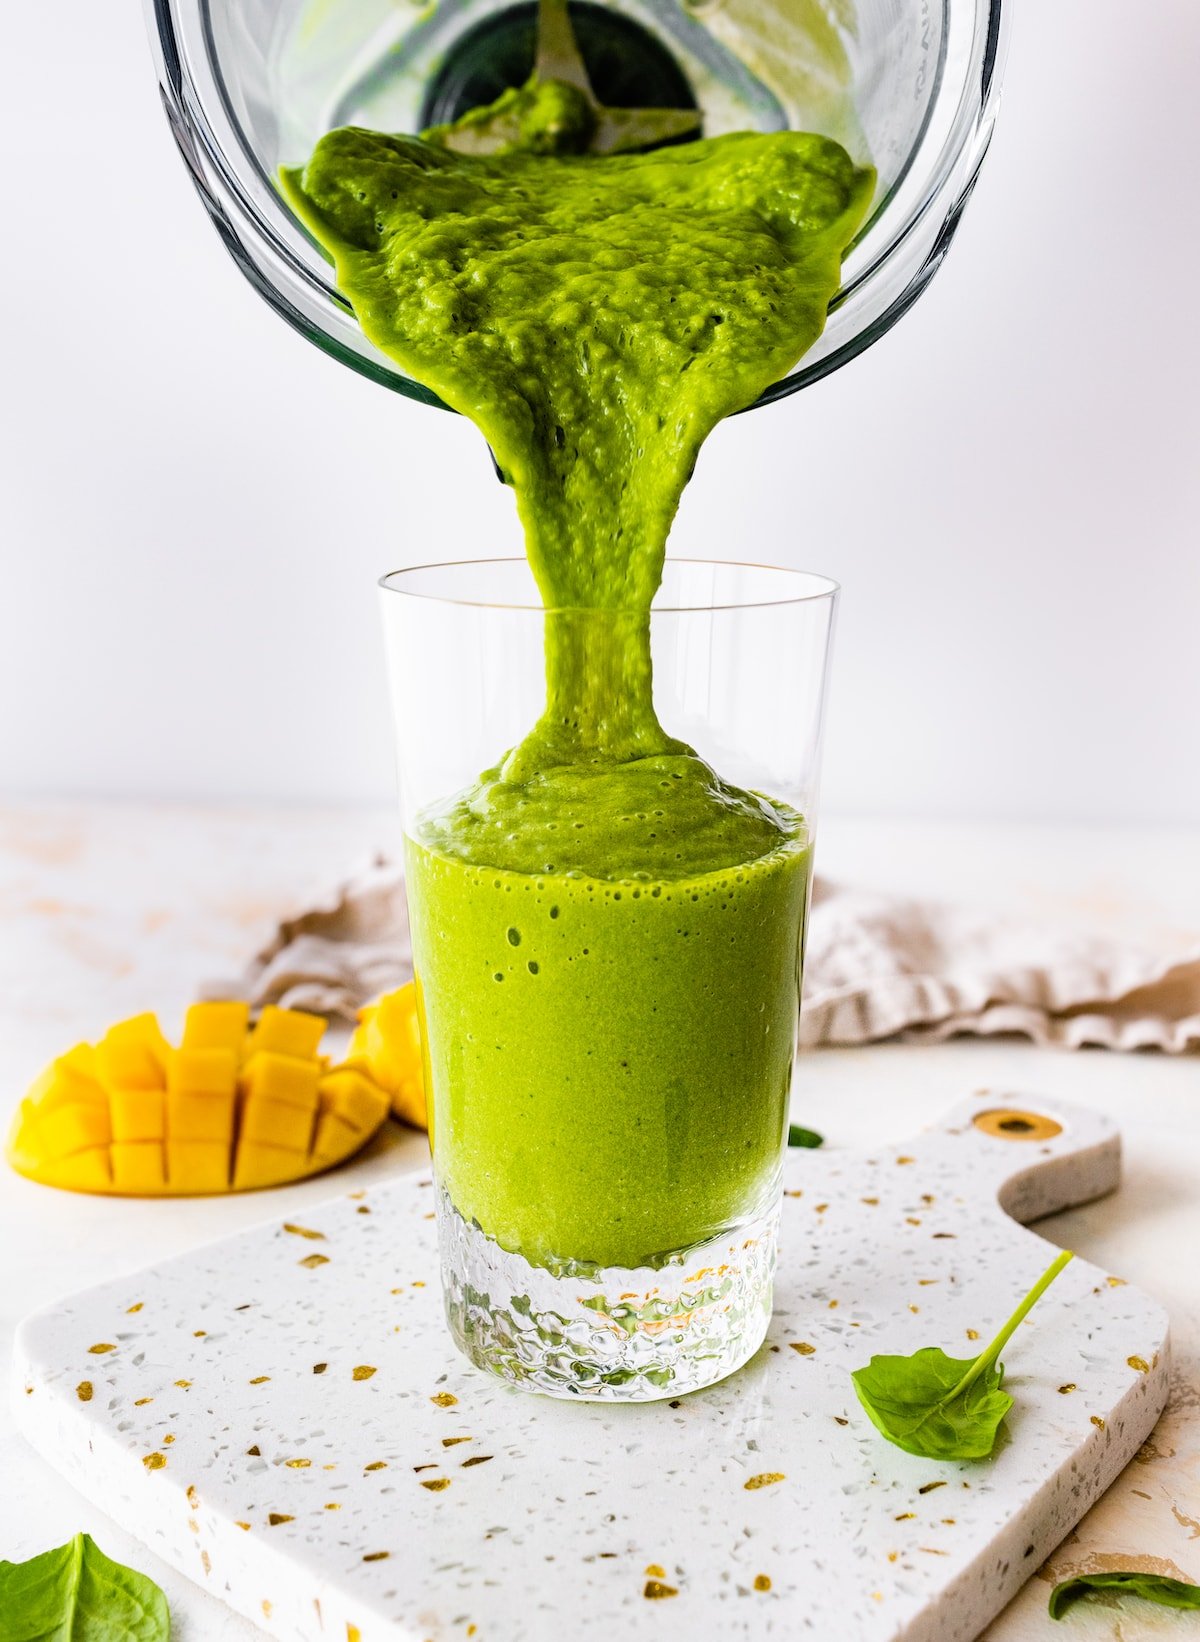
x=608 y=1055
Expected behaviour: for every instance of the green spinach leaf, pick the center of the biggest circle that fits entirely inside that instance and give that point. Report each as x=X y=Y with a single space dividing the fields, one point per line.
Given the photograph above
x=77 y=1594
x=1168 y=1593
x=940 y=1407
x=798 y=1136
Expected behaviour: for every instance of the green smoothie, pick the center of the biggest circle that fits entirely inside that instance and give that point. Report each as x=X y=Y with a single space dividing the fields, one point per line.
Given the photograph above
x=606 y=934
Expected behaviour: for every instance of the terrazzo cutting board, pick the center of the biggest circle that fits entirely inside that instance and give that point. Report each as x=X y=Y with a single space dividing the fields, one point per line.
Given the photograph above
x=282 y=1416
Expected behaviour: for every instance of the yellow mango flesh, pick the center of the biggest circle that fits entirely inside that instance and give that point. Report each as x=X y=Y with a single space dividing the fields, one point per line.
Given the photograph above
x=388 y=1043
x=234 y=1108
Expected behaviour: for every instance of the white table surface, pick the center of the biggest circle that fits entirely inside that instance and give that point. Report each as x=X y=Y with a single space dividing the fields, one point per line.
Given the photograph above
x=108 y=910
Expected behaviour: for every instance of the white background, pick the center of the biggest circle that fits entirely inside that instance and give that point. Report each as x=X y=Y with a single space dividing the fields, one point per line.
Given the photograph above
x=194 y=505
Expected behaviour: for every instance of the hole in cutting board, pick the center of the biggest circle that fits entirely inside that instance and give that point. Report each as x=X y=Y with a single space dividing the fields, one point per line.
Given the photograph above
x=1010 y=1123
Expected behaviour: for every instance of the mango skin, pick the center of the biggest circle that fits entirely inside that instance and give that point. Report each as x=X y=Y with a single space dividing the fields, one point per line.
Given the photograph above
x=388 y=1041
x=234 y=1108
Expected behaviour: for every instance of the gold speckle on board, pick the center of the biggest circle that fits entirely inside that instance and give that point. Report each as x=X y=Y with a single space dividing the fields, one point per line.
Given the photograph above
x=477 y=1459
x=154 y=1462
x=449 y=1442
x=304 y=1231
x=876 y=1596
x=266 y=1608
x=364 y=1371
x=245 y=1526
x=803 y=1347
x=1115 y=1282
x=298 y=1465
x=254 y=1451
x=417 y=1282
x=129 y=1310
x=376 y=1556
x=353 y=1634
x=950 y=1521
x=794 y=1194
x=199 y=1334
x=193 y=1526
x=1065 y=1390
x=183 y=1384
x=376 y=1465
x=84 y=1391
x=168 y=1439
x=356 y=1197
x=819 y=1208
x=444 y=1399
x=928 y=1487
x=1139 y=1363
x=764 y=1479
x=906 y=1516
x=312 y=1261
x=193 y=1497
x=319 y=1368
x=762 y=1582
x=396 y=1291
x=838 y=1420
x=140 y=1402
x=332 y=1466
x=871 y=1202
x=654 y=1590
x=654 y=1571
x=260 y=1379
x=902 y=1160
x=333 y=1505
x=362 y=1209
x=206 y=1562
x=892 y=1555
x=972 y=1334
x=914 y=1309
x=1097 y=1422
x=932 y=1550
x=435 y=1484
x=100 y=1349
x=928 y=1199
x=276 y=1517
x=833 y=1305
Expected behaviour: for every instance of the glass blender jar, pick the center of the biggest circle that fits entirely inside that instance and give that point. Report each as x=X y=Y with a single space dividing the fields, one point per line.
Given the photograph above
x=909 y=86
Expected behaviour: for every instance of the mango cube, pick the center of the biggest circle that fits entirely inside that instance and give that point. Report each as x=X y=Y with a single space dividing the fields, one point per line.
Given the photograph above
x=216 y=1026
x=132 y=1055
x=137 y=1114
x=286 y=1032
x=229 y=1110
x=198 y=1166
x=69 y=1129
x=137 y=1167
x=388 y=1041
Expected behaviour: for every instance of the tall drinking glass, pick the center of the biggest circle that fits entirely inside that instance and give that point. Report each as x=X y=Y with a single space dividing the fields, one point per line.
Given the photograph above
x=608 y=1057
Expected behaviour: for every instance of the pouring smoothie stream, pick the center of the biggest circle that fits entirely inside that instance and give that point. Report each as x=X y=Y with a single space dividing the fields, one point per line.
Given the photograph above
x=606 y=934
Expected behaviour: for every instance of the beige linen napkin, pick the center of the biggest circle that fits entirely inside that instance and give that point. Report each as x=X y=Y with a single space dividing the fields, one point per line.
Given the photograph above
x=877 y=967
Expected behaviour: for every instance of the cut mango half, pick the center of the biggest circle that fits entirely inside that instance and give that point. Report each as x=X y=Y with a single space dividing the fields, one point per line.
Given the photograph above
x=233 y=1108
x=388 y=1039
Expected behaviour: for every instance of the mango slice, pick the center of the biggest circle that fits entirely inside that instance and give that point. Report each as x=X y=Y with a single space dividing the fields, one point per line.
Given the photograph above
x=234 y=1108
x=387 y=1041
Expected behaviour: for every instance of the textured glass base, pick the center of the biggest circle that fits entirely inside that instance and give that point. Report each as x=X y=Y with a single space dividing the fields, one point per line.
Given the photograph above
x=609 y=1334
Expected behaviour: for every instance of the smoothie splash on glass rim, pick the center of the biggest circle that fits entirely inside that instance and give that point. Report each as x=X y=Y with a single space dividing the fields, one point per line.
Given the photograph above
x=608 y=959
